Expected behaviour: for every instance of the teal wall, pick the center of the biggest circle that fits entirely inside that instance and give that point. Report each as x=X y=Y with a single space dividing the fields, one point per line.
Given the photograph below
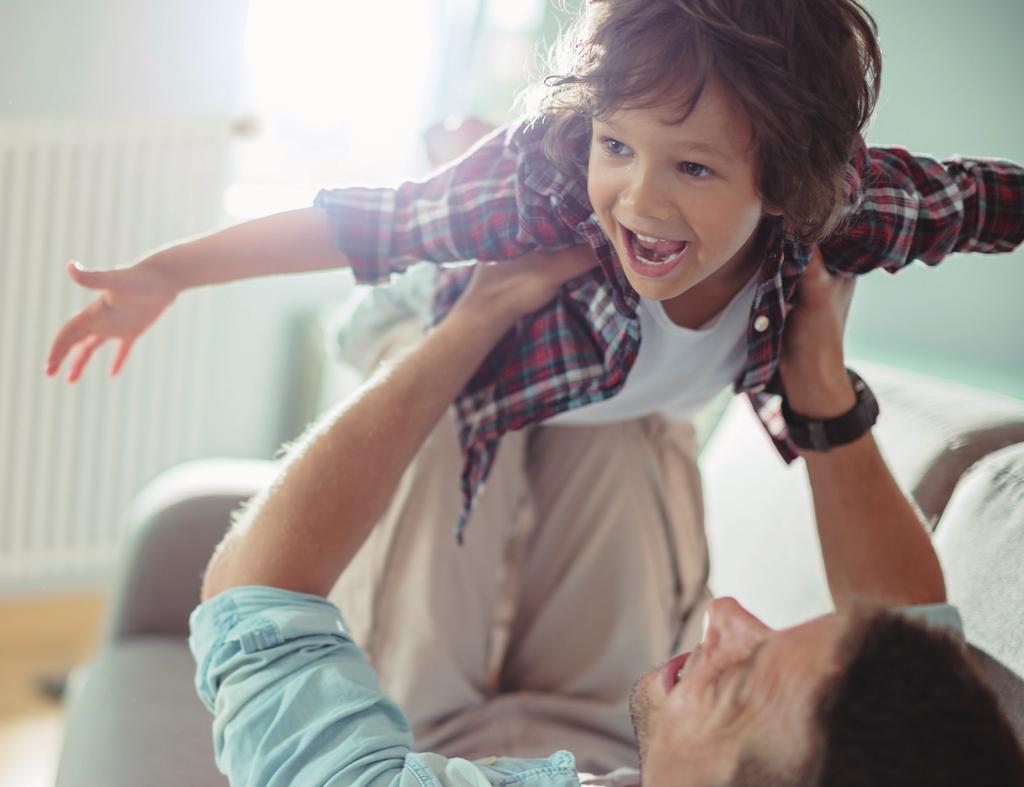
x=953 y=82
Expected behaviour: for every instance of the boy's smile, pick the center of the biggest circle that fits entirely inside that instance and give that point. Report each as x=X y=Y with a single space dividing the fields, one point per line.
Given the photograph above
x=678 y=199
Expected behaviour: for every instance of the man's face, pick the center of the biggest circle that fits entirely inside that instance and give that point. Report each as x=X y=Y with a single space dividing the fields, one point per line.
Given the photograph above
x=745 y=688
x=678 y=200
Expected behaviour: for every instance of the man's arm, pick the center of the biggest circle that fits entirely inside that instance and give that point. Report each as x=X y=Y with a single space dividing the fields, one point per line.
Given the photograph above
x=873 y=542
x=301 y=532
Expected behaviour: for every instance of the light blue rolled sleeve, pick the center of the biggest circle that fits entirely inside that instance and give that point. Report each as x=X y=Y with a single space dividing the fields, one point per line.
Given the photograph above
x=293 y=698
x=295 y=703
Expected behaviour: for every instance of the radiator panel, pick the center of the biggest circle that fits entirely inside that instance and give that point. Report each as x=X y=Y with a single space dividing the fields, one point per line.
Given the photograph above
x=73 y=456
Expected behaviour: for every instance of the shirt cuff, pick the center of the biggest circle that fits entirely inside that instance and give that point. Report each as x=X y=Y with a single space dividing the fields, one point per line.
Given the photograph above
x=941 y=615
x=257 y=618
x=360 y=225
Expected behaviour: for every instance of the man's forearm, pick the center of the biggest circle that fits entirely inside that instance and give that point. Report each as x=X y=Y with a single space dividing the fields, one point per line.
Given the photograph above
x=291 y=242
x=300 y=534
x=874 y=545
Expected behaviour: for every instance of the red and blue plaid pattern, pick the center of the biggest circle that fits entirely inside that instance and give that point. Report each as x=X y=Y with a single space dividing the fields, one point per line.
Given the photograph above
x=504 y=198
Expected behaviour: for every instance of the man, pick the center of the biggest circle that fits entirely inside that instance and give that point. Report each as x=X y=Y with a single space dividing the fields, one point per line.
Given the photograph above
x=858 y=697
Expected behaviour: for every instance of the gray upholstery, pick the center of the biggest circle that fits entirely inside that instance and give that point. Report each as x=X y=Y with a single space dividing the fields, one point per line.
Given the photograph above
x=980 y=540
x=170 y=540
x=933 y=431
x=137 y=721
x=134 y=718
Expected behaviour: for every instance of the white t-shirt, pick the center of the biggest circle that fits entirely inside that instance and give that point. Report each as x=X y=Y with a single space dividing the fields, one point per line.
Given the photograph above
x=677 y=370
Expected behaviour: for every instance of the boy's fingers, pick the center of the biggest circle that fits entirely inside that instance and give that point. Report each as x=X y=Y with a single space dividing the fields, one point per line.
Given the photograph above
x=84 y=353
x=124 y=347
x=98 y=280
x=74 y=330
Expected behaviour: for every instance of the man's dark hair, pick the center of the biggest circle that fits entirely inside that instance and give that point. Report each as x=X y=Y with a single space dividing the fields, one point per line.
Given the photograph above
x=805 y=71
x=907 y=708
x=910 y=708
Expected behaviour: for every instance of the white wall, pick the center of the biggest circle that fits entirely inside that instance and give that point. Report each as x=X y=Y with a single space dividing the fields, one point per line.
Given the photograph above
x=951 y=84
x=144 y=58
x=101 y=57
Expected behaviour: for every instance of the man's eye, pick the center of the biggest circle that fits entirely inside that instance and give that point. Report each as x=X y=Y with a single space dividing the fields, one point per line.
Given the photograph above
x=693 y=169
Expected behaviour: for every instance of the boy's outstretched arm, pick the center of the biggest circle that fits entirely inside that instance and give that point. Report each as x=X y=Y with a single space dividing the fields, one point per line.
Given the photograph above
x=338 y=479
x=468 y=210
x=917 y=208
x=873 y=543
x=130 y=299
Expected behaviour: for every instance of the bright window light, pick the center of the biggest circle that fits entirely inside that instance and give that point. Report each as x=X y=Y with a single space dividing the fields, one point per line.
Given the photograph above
x=354 y=75
x=519 y=16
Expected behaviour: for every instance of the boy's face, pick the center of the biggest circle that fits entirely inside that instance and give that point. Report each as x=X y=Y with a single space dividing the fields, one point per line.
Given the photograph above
x=678 y=199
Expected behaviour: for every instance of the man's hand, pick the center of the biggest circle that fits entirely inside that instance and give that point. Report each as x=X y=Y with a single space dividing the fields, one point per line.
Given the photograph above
x=812 y=364
x=509 y=290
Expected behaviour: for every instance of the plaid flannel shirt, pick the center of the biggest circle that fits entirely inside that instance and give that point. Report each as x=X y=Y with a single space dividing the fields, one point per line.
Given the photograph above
x=504 y=199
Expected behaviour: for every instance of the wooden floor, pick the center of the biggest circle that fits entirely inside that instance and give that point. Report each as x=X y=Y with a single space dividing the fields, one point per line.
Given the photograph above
x=42 y=639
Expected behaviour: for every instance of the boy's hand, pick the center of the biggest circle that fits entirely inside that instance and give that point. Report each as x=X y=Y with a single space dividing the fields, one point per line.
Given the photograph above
x=509 y=290
x=130 y=300
x=812 y=366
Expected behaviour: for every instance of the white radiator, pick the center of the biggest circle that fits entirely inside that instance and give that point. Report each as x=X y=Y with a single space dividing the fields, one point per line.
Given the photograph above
x=72 y=457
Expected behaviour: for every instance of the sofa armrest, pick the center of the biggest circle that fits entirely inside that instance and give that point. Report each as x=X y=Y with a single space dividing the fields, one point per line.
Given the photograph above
x=174 y=524
x=980 y=541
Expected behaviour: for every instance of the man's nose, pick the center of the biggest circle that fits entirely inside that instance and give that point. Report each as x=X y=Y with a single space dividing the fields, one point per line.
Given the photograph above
x=731 y=625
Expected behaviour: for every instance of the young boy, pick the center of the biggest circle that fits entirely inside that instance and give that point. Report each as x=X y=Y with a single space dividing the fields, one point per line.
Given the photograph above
x=698 y=148
x=769 y=102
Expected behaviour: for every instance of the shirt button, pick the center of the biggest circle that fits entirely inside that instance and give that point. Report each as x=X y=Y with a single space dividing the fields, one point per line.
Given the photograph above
x=758 y=388
x=761 y=324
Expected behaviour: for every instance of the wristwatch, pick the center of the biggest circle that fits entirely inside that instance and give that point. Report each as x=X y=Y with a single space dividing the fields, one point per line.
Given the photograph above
x=821 y=435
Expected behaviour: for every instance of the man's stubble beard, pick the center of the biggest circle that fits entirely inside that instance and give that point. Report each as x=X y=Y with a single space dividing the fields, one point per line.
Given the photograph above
x=640 y=711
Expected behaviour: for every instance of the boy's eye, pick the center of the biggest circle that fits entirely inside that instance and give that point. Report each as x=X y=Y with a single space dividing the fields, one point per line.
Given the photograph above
x=613 y=146
x=693 y=169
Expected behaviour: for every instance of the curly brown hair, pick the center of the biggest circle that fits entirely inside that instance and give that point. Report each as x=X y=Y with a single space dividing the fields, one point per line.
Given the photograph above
x=806 y=72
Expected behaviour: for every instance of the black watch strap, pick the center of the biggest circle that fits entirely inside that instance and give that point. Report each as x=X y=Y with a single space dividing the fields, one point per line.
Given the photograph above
x=820 y=435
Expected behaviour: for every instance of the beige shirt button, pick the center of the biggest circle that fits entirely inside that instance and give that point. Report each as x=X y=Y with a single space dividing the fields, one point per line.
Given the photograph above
x=758 y=388
x=761 y=324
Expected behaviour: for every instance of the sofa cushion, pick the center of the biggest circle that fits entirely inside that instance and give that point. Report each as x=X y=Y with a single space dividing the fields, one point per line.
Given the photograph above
x=938 y=429
x=136 y=720
x=980 y=541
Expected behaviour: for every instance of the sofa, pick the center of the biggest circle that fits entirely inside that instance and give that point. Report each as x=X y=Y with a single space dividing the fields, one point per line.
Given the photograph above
x=133 y=717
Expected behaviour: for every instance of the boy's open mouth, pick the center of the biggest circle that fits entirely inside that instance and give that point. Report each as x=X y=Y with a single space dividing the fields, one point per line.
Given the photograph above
x=647 y=250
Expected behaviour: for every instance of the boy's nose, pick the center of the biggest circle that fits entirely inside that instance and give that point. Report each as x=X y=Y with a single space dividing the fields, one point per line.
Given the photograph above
x=647 y=198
